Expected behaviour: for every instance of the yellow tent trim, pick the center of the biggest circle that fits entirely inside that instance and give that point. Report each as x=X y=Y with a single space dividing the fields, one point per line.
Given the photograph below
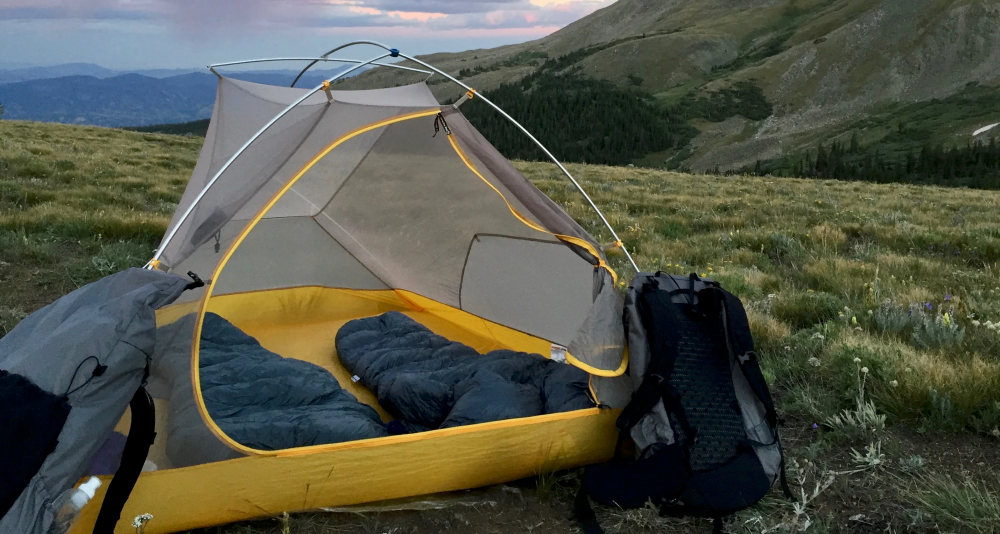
x=412 y=300
x=531 y=224
x=377 y=470
x=283 y=317
x=196 y=342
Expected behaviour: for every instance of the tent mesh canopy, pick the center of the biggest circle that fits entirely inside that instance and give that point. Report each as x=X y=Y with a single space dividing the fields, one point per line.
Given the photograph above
x=374 y=201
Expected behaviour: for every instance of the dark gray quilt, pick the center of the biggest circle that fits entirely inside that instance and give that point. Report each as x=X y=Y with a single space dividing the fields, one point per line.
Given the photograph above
x=430 y=382
x=268 y=402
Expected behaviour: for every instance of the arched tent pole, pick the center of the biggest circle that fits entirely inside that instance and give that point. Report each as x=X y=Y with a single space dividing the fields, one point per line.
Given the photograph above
x=396 y=53
x=313 y=59
x=341 y=47
x=180 y=222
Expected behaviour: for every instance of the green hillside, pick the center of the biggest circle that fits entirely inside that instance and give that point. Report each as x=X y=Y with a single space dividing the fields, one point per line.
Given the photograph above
x=827 y=70
x=875 y=308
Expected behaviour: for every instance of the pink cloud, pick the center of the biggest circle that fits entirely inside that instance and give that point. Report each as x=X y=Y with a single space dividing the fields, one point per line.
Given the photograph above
x=416 y=15
x=495 y=18
x=210 y=17
x=364 y=10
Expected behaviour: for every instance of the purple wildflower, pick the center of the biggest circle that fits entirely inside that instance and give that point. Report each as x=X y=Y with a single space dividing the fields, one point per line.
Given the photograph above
x=947 y=296
x=929 y=306
x=815 y=426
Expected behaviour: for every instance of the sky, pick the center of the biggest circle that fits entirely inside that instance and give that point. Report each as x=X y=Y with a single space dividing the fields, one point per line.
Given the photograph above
x=147 y=34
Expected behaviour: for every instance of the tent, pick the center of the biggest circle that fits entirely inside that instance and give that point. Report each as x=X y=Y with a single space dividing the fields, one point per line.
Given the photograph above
x=308 y=209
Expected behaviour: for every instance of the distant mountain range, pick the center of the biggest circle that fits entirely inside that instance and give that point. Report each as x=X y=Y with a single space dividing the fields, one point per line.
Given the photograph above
x=26 y=74
x=83 y=93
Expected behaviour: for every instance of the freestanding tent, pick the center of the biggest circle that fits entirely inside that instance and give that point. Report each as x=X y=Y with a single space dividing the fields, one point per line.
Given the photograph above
x=309 y=209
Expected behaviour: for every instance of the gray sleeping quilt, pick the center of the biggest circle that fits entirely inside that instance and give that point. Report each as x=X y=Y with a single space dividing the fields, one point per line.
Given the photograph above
x=431 y=382
x=264 y=401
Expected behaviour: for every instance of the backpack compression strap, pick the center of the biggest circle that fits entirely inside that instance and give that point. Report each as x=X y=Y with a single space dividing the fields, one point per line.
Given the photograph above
x=141 y=433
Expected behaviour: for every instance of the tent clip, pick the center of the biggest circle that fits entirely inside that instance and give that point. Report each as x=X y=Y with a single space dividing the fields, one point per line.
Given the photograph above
x=326 y=89
x=469 y=95
x=197 y=281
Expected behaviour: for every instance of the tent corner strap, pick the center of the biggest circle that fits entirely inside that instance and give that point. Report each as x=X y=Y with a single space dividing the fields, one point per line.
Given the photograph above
x=358 y=64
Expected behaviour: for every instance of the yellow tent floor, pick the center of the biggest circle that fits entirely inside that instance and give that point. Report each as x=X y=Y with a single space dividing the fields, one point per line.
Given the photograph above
x=302 y=323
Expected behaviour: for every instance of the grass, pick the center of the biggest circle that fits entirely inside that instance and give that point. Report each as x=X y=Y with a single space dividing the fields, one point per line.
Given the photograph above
x=836 y=276
x=80 y=203
x=961 y=504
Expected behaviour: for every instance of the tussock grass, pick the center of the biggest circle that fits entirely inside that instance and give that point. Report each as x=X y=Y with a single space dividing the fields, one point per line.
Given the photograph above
x=962 y=504
x=77 y=203
x=826 y=258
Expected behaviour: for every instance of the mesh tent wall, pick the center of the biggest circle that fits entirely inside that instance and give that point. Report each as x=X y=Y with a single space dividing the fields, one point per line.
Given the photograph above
x=351 y=204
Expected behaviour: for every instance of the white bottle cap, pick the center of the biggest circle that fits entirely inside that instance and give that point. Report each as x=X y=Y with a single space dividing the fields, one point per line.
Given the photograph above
x=86 y=492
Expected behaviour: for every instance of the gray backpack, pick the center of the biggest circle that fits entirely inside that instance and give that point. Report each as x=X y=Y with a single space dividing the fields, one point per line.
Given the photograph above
x=699 y=436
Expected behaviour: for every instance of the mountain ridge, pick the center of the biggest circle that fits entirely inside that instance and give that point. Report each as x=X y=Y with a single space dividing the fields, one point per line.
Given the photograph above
x=129 y=99
x=821 y=63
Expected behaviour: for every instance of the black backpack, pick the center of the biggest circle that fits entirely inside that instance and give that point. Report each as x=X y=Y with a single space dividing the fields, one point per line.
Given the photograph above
x=699 y=436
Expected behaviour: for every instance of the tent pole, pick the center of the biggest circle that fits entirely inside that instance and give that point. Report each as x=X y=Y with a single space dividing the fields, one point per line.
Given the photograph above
x=190 y=209
x=341 y=47
x=332 y=60
x=541 y=146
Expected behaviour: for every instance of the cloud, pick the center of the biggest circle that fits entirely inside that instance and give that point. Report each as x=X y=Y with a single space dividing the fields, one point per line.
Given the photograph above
x=214 y=16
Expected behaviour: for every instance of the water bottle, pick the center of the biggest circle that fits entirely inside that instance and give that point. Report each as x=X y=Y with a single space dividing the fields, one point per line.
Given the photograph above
x=70 y=503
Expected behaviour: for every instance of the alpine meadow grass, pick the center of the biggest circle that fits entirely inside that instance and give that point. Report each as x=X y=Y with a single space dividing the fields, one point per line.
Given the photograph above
x=899 y=281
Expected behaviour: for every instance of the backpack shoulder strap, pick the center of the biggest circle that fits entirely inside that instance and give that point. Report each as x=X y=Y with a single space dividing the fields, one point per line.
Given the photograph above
x=658 y=313
x=141 y=433
x=738 y=331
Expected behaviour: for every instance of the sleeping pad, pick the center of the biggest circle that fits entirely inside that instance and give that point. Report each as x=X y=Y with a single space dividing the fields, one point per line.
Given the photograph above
x=264 y=401
x=431 y=382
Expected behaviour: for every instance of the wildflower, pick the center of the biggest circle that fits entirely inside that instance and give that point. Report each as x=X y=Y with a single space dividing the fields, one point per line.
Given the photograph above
x=814 y=361
x=864 y=370
x=975 y=323
x=141 y=520
x=894 y=383
x=947 y=319
x=909 y=369
x=815 y=426
x=841 y=313
x=929 y=306
x=996 y=432
x=854 y=320
x=857 y=360
x=871 y=312
x=947 y=296
x=818 y=336
x=810 y=291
